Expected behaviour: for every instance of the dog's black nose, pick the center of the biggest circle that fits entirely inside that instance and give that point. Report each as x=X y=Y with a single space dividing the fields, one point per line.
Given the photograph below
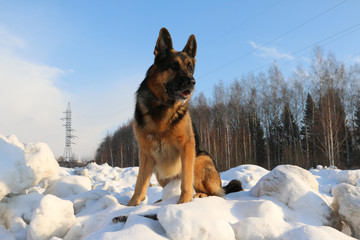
x=192 y=81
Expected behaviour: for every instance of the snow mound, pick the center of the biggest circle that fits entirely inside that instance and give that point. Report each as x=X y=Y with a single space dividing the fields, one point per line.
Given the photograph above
x=24 y=166
x=17 y=212
x=286 y=183
x=120 y=181
x=248 y=175
x=348 y=176
x=347 y=205
x=309 y=232
x=194 y=221
x=326 y=178
x=53 y=218
x=265 y=220
x=69 y=186
x=172 y=191
x=295 y=187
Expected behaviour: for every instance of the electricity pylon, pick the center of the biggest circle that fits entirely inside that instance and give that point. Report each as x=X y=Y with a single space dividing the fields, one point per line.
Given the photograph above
x=68 y=134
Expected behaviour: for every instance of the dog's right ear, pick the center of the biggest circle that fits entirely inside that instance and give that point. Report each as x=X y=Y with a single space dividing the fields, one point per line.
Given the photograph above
x=163 y=44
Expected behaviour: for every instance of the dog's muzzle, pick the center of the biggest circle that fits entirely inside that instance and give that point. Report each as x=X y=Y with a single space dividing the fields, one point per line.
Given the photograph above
x=180 y=89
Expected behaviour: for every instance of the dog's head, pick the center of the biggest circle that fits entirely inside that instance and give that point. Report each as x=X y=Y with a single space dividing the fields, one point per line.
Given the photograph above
x=172 y=72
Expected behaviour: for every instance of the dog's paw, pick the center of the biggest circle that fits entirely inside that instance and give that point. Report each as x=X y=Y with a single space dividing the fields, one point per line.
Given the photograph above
x=184 y=198
x=200 y=195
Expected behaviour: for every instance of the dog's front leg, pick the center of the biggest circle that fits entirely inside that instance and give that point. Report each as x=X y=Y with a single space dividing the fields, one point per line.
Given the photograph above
x=146 y=168
x=187 y=177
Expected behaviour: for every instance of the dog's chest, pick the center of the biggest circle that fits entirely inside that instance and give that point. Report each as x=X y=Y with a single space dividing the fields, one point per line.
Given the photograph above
x=162 y=150
x=167 y=158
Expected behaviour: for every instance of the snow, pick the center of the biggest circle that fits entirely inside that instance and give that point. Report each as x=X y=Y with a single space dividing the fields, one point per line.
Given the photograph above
x=69 y=186
x=347 y=204
x=24 y=166
x=348 y=176
x=295 y=187
x=195 y=221
x=53 y=217
x=247 y=174
x=40 y=200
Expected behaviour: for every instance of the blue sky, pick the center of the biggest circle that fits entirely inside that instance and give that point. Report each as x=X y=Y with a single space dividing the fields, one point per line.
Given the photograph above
x=95 y=54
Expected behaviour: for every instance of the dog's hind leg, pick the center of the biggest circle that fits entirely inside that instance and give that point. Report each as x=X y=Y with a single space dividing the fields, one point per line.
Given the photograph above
x=207 y=180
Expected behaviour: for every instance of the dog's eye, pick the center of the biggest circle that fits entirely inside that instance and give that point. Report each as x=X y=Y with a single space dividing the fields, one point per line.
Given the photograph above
x=175 y=66
x=189 y=68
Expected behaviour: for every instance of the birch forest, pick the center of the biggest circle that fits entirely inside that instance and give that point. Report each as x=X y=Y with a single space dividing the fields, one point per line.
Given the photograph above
x=310 y=118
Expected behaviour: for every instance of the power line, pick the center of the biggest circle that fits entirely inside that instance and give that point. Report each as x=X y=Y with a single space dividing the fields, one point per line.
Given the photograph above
x=341 y=34
x=274 y=39
x=243 y=23
x=346 y=32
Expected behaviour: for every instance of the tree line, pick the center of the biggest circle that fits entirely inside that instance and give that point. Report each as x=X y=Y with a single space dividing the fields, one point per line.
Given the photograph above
x=310 y=118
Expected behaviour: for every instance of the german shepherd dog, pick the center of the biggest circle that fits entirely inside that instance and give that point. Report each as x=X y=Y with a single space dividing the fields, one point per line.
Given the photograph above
x=167 y=139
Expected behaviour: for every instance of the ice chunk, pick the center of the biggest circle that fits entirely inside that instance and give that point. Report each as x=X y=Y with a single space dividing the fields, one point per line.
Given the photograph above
x=348 y=176
x=298 y=189
x=195 y=220
x=68 y=186
x=347 y=205
x=53 y=218
x=24 y=166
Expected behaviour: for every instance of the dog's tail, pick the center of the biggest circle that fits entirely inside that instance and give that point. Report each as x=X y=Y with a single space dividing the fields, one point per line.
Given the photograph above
x=233 y=186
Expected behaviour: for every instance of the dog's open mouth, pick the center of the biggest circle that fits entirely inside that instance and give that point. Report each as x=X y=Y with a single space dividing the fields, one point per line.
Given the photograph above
x=182 y=95
x=178 y=91
x=185 y=94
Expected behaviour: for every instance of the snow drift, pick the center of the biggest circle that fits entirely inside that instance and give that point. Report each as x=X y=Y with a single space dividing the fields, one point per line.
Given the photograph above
x=24 y=166
x=347 y=204
x=296 y=188
x=52 y=218
x=39 y=200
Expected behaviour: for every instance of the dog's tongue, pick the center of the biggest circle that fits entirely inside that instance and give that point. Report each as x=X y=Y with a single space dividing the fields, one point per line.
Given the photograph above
x=185 y=93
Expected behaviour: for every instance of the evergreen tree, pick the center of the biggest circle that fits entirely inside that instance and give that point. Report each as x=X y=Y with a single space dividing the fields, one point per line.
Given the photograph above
x=290 y=128
x=307 y=132
x=355 y=146
x=257 y=136
x=290 y=137
x=275 y=142
x=357 y=123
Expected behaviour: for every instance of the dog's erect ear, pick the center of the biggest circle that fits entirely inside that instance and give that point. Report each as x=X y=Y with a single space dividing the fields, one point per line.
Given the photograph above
x=190 y=47
x=163 y=44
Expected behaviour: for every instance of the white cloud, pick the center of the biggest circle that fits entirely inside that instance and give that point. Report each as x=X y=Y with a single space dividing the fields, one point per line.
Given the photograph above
x=31 y=105
x=356 y=59
x=97 y=111
x=267 y=52
x=352 y=59
x=8 y=41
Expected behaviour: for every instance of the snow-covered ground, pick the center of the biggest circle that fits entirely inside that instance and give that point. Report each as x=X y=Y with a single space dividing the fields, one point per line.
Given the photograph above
x=39 y=200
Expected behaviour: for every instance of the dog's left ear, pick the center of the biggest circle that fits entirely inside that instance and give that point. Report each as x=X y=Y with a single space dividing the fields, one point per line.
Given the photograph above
x=190 y=47
x=163 y=44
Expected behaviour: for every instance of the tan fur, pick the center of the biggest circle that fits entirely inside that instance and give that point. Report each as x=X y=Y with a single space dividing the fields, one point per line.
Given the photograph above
x=171 y=153
x=164 y=130
x=207 y=179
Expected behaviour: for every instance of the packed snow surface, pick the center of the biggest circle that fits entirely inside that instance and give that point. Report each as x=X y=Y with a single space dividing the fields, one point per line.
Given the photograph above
x=40 y=200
